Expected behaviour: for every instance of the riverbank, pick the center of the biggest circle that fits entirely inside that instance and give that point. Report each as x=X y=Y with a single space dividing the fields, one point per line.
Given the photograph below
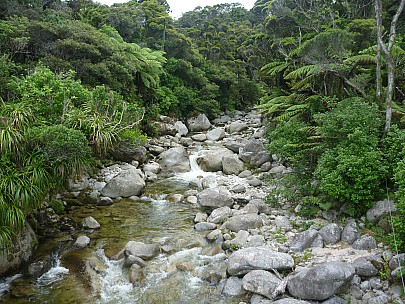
x=194 y=204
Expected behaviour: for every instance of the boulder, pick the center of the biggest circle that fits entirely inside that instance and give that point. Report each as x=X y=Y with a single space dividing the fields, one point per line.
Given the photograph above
x=366 y=242
x=254 y=182
x=181 y=128
x=335 y=300
x=256 y=258
x=220 y=214
x=136 y=275
x=290 y=301
x=151 y=167
x=350 y=232
x=38 y=268
x=304 y=240
x=141 y=250
x=234 y=146
x=82 y=241
x=127 y=152
x=90 y=223
x=243 y=222
x=199 y=123
x=174 y=160
x=322 y=281
x=199 y=137
x=260 y=158
x=211 y=160
x=129 y=260
x=233 y=287
x=380 y=209
x=240 y=239
x=261 y=282
x=364 y=267
x=19 y=252
x=216 y=134
x=129 y=182
x=231 y=164
x=330 y=233
x=204 y=226
x=252 y=148
x=213 y=199
x=237 y=127
x=163 y=128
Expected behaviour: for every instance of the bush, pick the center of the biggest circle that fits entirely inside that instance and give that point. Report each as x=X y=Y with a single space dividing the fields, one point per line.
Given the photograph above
x=351 y=169
x=65 y=150
x=399 y=218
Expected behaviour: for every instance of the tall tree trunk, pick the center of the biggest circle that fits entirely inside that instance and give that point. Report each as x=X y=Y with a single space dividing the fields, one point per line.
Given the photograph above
x=378 y=18
x=387 y=49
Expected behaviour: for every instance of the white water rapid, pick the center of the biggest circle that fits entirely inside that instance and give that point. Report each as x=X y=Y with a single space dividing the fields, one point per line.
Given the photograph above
x=54 y=274
x=6 y=282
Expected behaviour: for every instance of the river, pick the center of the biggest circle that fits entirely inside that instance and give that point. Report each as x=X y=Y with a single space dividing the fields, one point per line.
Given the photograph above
x=190 y=270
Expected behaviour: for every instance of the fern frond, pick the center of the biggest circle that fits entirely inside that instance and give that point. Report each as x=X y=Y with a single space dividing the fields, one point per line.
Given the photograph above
x=302 y=72
x=361 y=59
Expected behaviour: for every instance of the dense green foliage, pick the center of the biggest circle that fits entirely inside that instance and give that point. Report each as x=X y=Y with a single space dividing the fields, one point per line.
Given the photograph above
x=327 y=122
x=78 y=78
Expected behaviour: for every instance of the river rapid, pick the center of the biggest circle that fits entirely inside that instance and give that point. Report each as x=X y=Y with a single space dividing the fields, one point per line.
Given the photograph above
x=188 y=272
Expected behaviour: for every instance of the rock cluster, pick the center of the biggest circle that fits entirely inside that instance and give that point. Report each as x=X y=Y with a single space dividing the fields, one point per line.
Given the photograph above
x=270 y=255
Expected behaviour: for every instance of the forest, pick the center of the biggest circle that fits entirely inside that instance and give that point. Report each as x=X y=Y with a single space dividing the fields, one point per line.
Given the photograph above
x=78 y=78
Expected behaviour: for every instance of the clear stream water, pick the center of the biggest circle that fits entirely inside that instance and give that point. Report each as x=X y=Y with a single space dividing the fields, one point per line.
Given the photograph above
x=187 y=275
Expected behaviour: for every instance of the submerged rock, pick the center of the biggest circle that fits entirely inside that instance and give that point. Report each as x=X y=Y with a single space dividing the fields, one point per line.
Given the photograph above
x=90 y=223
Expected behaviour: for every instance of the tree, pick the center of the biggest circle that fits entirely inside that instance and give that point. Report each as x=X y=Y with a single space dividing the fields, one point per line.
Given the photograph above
x=387 y=50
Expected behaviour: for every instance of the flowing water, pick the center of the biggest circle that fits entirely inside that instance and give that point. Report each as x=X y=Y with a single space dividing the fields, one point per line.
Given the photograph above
x=188 y=271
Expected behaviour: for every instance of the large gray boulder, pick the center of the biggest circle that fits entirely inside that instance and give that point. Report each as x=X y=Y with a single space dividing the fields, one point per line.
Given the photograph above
x=233 y=145
x=20 y=251
x=127 y=152
x=181 y=128
x=251 y=149
x=256 y=258
x=216 y=134
x=351 y=232
x=233 y=287
x=211 y=160
x=231 y=164
x=199 y=123
x=260 y=158
x=237 y=127
x=304 y=240
x=322 y=281
x=220 y=214
x=141 y=250
x=174 y=160
x=290 y=301
x=380 y=209
x=364 y=266
x=243 y=222
x=129 y=182
x=330 y=233
x=212 y=198
x=366 y=242
x=261 y=282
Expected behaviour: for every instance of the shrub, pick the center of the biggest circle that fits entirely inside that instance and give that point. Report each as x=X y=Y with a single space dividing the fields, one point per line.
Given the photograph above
x=351 y=169
x=66 y=150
